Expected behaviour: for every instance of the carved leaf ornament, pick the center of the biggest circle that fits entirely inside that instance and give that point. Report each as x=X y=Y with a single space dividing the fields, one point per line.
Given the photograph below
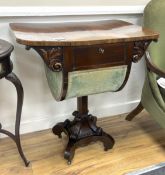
x=52 y=58
x=139 y=50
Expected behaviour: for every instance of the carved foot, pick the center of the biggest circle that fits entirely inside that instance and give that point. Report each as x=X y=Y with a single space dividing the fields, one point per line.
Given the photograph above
x=81 y=131
x=60 y=127
x=107 y=140
x=70 y=150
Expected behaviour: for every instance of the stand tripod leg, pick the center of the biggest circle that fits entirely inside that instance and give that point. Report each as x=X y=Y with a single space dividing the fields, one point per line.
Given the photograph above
x=14 y=79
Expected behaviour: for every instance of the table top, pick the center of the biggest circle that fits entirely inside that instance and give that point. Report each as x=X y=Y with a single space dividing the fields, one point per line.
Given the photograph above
x=80 y=33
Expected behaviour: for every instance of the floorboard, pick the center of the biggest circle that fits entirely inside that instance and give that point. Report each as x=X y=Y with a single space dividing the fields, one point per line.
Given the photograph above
x=139 y=143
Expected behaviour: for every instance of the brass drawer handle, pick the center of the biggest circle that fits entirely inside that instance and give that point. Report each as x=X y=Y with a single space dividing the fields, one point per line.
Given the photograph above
x=101 y=50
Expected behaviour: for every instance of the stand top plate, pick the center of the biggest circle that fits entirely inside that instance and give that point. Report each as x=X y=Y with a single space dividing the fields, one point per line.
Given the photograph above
x=80 y=33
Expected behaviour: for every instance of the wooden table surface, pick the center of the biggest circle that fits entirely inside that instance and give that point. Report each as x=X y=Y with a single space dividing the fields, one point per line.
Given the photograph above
x=80 y=33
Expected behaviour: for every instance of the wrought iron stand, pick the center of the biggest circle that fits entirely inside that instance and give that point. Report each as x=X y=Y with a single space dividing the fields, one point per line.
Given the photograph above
x=6 y=72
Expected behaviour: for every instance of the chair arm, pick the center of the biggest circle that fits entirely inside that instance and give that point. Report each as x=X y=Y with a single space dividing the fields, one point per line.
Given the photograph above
x=152 y=67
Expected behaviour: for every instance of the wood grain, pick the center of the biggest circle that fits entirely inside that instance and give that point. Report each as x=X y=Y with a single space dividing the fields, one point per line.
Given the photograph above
x=139 y=143
x=79 y=33
x=105 y=55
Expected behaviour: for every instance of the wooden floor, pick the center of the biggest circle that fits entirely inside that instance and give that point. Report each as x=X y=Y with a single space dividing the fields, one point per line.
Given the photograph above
x=139 y=143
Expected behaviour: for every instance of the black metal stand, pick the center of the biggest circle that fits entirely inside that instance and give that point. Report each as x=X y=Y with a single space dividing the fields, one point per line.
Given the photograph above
x=6 y=72
x=16 y=137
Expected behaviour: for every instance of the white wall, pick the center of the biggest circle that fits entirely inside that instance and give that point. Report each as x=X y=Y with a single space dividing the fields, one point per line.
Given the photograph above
x=40 y=110
x=71 y=2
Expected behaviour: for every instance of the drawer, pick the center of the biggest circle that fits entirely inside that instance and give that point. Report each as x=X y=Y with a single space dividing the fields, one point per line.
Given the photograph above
x=97 y=56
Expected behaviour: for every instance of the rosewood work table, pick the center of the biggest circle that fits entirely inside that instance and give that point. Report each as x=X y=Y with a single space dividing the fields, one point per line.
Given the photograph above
x=84 y=58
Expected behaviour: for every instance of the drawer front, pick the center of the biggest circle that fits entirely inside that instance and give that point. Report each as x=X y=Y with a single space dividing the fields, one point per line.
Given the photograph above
x=98 y=56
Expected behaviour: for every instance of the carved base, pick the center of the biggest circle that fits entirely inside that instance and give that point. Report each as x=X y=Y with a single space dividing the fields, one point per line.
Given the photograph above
x=81 y=131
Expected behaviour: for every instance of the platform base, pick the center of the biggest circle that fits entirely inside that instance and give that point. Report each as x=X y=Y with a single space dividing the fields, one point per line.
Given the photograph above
x=81 y=131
